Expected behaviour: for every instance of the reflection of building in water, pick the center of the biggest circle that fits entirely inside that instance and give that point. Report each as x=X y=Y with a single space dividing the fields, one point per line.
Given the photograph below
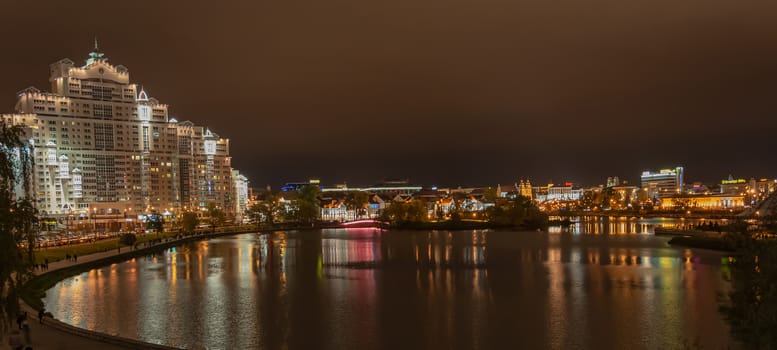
x=270 y=251
x=446 y=249
x=603 y=225
x=345 y=251
x=475 y=254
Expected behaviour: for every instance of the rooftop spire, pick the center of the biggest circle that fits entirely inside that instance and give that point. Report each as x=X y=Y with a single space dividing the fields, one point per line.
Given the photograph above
x=95 y=55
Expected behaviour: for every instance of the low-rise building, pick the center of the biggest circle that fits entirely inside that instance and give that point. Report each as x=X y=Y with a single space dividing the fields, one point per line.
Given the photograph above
x=713 y=201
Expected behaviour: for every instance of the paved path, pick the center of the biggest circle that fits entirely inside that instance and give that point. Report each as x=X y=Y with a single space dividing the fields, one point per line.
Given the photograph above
x=45 y=337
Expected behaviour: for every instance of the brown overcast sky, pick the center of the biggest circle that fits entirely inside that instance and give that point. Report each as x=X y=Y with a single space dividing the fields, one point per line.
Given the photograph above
x=442 y=92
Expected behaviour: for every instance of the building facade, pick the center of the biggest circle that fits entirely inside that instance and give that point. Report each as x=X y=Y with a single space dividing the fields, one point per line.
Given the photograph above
x=714 y=202
x=665 y=183
x=103 y=146
x=242 y=197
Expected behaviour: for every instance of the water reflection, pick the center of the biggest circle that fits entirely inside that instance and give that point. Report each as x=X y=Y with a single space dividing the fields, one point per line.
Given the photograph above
x=619 y=225
x=366 y=288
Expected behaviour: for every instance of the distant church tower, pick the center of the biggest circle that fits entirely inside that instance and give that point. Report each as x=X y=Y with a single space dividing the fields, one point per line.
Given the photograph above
x=525 y=189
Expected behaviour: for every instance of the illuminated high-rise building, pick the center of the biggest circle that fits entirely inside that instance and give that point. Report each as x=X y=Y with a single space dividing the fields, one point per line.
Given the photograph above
x=104 y=146
x=665 y=183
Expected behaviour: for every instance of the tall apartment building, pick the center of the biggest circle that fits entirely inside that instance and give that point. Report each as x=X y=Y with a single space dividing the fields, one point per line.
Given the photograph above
x=103 y=146
x=665 y=183
x=242 y=196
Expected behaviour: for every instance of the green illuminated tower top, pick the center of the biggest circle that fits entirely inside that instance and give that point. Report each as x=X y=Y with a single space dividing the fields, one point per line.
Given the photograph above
x=95 y=55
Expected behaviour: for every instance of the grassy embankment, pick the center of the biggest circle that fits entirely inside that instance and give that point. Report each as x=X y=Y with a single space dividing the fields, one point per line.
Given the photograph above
x=82 y=249
x=34 y=290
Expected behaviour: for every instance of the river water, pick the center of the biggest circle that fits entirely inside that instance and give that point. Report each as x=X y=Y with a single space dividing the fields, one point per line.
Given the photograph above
x=607 y=284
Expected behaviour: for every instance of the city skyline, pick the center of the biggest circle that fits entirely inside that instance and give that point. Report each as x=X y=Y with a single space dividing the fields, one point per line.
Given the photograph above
x=400 y=174
x=449 y=95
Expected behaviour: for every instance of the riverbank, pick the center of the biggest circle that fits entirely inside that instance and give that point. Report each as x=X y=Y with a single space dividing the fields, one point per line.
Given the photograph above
x=703 y=242
x=707 y=214
x=70 y=337
x=34 y=289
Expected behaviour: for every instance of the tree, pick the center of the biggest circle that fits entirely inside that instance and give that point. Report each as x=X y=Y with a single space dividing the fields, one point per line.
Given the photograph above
x=216 y=216
x=396 y=212
x=17 y=218
x=455 y=210
x=267 y=210
x=399 y=213
x=751 y=310
x=306 y=207
x=519 y=212
x=128 y=239
x=155 y=222
x=416 y=211
x=490 y=195
x=189 y=222
x=357 y=201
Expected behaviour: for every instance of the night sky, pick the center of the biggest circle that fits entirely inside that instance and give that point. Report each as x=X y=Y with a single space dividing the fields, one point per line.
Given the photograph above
x=443 y=92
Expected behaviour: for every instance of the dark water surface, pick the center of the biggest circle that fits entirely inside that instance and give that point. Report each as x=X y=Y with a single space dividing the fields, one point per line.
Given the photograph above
x=367 y=289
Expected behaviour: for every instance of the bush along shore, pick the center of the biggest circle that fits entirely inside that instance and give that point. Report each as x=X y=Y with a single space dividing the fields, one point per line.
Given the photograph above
x=520 y=213
x=751 y=305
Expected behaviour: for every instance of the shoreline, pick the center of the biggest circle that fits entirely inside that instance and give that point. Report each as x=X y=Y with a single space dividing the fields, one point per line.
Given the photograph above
x=719 y=244
x=34 y=290
x=711 y=215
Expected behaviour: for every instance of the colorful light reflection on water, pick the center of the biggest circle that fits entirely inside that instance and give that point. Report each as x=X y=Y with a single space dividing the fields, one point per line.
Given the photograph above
x=366 y=288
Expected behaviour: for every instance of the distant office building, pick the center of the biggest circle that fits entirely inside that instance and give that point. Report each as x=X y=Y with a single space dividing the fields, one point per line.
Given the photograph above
x=734 y=186
x=104 y=146
x=296 y=186
x=565 y=192
x=393 y=187
x=763 y=186
x=753 y=190
x=665 y=183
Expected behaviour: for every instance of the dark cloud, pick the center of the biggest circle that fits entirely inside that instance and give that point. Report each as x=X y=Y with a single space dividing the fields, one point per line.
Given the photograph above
x=438 y=91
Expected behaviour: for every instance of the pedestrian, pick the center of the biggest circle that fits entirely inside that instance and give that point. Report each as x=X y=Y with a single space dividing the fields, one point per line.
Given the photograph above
x=46 y=264
x=15 y=340
x=19 y=320
x=41 y=313
x=26 y=330
x=67 y=256
x=75 y=258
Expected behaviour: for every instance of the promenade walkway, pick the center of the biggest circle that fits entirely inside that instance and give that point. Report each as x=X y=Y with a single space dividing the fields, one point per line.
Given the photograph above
x=56 y=335
x=46 y=337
